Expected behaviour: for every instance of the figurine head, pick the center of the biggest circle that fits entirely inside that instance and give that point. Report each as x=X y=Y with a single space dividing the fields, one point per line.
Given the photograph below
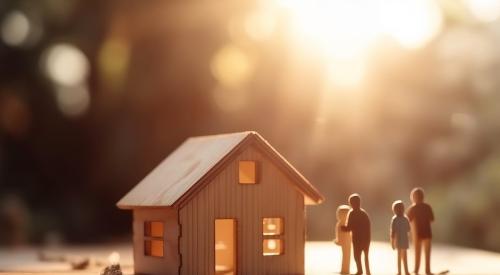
x=342 y=211
x=417 y=195
x=398 y=208
x=355 y=201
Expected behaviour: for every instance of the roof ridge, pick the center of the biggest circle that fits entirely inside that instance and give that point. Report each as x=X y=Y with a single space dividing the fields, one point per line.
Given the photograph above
x=223 y=135
x=174 y=181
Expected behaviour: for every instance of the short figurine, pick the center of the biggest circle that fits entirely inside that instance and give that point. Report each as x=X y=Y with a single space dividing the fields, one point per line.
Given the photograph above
x=400 y=229
x=420 y=215
x=358 y=223
x=343 y=238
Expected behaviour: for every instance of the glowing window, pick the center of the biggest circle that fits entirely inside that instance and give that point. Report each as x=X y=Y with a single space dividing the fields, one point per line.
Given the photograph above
x=272 y=226
x=153 y=248
x=153 y=238
x=153 y=229
x=272 y=247
x=247 y=172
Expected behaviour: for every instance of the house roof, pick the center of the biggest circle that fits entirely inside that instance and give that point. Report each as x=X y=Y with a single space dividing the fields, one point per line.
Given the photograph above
x=186 y=170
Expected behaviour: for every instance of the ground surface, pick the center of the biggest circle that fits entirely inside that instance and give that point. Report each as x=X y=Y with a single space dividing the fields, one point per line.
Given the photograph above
x=321 y=258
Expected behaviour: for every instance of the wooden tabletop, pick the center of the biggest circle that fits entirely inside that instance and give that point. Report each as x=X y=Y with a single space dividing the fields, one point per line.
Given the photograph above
x=321 y=258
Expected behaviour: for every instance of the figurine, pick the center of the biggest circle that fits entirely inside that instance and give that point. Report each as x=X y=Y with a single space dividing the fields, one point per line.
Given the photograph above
x=400 y=228
x=420 y=215
x=222 y=204
x=358 y=223
x=343 y=238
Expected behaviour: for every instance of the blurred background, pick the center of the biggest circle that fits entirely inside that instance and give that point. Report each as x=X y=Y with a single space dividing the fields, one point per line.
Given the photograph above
x=366 y=96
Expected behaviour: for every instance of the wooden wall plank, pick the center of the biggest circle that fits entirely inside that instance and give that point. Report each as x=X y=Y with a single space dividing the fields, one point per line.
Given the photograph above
x=224 y=197
x=169 y=263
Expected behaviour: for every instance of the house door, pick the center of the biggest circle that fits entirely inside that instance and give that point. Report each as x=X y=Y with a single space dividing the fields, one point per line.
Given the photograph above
x=225 y=246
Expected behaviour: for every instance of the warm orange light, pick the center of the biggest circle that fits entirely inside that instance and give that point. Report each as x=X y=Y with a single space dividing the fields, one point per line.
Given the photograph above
x=272 y=247
x=153 y=229
x=153 y=248
x=272 y=226
x=247 y=173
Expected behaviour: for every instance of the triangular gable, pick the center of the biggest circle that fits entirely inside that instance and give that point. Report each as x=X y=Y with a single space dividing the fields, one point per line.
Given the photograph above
x=175 y=180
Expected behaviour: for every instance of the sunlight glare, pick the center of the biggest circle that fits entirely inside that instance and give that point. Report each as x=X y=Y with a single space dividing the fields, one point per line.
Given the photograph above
x=340 y=29
x=345 y=74
x=344 y=29
x=260 y=25
x=484 y=10
x=411 y=22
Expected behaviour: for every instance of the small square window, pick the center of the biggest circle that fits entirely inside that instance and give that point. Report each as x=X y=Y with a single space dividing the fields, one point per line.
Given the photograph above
x=272 y=247
x=153 y=229
x=153 y=248
x=272 y=226
x=247 y=172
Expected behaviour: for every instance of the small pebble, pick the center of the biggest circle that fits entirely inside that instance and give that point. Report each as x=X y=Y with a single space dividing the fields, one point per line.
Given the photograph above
x=112 y=270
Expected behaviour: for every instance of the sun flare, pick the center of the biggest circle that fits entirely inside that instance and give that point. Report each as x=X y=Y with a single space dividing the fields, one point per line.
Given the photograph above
x=347 y=28
x=344 y=32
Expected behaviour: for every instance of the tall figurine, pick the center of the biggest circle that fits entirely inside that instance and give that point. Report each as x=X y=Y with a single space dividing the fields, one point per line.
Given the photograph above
x=400 y=228
x=421 y=216
x=358 y=223
x=343 y=238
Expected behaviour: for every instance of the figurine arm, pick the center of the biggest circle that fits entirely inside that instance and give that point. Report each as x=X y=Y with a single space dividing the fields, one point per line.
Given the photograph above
x=337 y=229
x=348 y=226
x=392 y=235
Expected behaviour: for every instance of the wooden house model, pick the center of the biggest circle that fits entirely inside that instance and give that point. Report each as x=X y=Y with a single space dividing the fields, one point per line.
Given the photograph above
x=222 y=204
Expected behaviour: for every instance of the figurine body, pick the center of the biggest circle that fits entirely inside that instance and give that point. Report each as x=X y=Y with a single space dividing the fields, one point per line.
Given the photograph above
x=400 y=228
x=420 y=215
x=358 y=223
x=343 y=238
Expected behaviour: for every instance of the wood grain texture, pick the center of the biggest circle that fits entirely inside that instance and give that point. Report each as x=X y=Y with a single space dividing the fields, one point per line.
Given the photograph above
x=224 y=197
x=181 y=170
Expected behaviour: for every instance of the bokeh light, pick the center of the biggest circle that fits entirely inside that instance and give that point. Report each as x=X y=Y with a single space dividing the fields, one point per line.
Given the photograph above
x=73 y=101
x=231 y=66
x=114 y=258
x=66 y=65
x=15 y=28
x=114 y=57
x=15 y=115
x=484 y=10
x=411 y=22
